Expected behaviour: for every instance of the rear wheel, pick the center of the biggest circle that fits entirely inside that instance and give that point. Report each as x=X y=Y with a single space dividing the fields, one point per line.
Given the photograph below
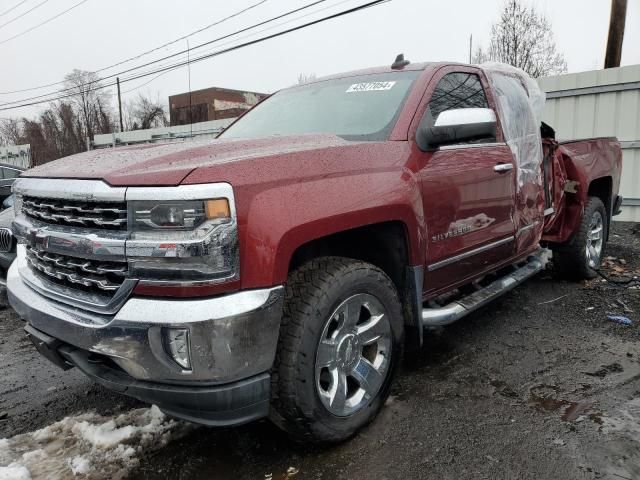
x=581 y=257
x=340 y=342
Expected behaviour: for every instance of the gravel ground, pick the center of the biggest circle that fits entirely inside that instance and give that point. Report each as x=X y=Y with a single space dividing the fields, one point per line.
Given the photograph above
x=540 y=384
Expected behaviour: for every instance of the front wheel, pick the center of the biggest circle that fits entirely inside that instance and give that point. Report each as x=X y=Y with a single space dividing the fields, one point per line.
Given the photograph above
x=581 y=257
x=340 y=341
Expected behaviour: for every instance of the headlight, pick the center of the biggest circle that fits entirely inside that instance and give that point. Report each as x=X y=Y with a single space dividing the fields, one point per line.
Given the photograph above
x=184 y=215
x=183 y=242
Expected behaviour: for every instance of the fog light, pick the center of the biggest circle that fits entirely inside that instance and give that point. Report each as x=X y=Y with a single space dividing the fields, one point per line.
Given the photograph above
x=177 y=344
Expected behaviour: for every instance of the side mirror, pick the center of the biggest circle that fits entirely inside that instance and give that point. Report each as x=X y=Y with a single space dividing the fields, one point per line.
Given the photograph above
x=457 y=125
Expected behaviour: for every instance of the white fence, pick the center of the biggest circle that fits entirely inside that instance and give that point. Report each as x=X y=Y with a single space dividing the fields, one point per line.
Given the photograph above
x=18 y=155
x=597 y=104
x=162 y=134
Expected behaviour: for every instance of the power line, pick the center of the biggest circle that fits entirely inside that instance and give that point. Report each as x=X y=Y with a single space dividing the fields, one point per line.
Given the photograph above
x=220 y=52
x=146 y=83
x=23 y=14
x=2 y=42
x=13 y=8
x=291 y=12
x=200 y=30
x=184 y=37
x=236 y=39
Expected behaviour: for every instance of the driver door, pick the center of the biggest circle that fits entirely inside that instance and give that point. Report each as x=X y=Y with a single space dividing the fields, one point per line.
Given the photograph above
x=467 y=190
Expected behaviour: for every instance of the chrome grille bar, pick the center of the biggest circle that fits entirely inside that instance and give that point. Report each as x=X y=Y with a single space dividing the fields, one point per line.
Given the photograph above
x=107 y=277
x=111 y=215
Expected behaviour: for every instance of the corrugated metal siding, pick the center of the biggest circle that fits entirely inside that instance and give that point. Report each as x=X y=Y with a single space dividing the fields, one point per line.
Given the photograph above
x=596 y=104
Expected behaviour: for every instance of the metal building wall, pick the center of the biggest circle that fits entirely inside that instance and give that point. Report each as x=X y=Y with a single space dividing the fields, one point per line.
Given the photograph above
x=597 y=104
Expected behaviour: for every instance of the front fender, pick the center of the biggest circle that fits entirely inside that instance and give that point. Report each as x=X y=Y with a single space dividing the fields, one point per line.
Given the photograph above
x=281 y=219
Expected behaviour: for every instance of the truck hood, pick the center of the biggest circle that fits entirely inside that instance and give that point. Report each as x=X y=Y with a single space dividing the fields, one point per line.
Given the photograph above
x=169 y=164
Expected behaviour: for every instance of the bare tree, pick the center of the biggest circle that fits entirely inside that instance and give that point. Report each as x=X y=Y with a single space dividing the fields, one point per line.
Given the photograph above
x=57 y=132
x=10 y=132
x=34 y=135
x=128 y=118
x=62 y=128
x=71 y=135
x=306 y=78
x=523 y=38
x=89 y=101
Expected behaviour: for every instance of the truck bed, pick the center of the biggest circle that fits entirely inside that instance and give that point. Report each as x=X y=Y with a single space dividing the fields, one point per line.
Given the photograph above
x=579 y=168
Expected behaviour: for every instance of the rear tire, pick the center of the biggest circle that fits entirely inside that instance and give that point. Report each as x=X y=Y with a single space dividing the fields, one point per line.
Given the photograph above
x=581 y=256
x=340 y=342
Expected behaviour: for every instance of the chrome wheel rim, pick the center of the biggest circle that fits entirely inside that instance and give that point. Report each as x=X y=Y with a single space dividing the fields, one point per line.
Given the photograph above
x=595 y=240
x=353 y=355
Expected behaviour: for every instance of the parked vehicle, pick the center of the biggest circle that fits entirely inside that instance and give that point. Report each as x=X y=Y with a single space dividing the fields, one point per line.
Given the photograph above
x=279 y=270
x=8 y=175
x=8 y=202
x=7 y=242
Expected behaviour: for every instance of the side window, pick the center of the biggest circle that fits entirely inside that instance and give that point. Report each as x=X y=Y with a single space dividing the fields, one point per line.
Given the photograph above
x=457 y=90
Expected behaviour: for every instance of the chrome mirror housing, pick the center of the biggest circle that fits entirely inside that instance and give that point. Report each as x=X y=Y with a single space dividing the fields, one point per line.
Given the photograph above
x=457 y=125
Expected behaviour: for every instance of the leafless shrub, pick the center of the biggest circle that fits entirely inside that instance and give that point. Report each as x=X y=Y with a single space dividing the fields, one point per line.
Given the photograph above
x=144 y=112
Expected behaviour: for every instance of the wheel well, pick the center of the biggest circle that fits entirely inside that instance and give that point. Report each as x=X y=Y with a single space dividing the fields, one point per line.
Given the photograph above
x=382 y=244
x=602 y=188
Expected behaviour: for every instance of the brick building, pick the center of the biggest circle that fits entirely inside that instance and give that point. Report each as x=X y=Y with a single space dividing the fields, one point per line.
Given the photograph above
x=210 y=104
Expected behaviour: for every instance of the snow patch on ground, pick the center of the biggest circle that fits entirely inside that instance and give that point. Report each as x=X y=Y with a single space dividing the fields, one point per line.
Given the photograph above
x=80 y=465
x=14 y=472
x=87 y=446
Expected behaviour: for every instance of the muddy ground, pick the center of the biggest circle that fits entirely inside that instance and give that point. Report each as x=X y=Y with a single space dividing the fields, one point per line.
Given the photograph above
x=538 y=385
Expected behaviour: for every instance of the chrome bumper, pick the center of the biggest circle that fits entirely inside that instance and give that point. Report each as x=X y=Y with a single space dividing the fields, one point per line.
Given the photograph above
x=233 y=337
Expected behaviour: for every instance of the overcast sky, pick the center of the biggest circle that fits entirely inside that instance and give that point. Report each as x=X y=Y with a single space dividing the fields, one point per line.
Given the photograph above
x=99 y=33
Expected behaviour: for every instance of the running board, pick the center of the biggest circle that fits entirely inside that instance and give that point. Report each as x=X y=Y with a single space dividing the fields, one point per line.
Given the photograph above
x=434 y=317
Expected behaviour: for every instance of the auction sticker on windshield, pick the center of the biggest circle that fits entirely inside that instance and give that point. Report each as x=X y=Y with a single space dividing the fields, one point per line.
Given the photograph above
x=370 y=87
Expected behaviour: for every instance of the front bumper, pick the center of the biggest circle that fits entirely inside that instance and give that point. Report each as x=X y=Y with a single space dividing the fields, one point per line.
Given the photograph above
x=233 y=344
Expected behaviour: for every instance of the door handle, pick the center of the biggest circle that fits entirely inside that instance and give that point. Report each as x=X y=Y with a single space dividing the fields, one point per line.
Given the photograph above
x=503 y=167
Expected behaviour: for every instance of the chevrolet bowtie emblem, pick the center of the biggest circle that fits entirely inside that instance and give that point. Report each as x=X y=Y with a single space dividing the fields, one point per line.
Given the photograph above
x=39 y=240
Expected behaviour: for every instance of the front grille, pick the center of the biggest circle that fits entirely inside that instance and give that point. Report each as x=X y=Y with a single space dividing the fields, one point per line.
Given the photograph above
x=105 y=215
x=91 y=275
x=6 y=240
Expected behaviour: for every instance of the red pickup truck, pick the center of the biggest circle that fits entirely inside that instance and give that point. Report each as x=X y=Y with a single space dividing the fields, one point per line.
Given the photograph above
x=279 y=270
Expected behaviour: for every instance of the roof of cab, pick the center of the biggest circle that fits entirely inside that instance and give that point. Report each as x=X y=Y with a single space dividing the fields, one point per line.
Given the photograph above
x=385 y=69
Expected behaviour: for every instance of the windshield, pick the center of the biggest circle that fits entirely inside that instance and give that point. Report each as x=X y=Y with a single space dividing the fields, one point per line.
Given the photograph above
x=355 y=108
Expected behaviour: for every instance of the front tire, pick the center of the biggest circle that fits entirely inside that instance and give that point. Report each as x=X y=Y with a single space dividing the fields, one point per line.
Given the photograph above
x=581 y=257
x=340 y=342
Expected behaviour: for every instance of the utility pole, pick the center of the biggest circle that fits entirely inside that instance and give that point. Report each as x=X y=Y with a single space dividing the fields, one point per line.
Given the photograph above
x=470 y=46
x=616 y=33
x=190 y=106
x=119 y=104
